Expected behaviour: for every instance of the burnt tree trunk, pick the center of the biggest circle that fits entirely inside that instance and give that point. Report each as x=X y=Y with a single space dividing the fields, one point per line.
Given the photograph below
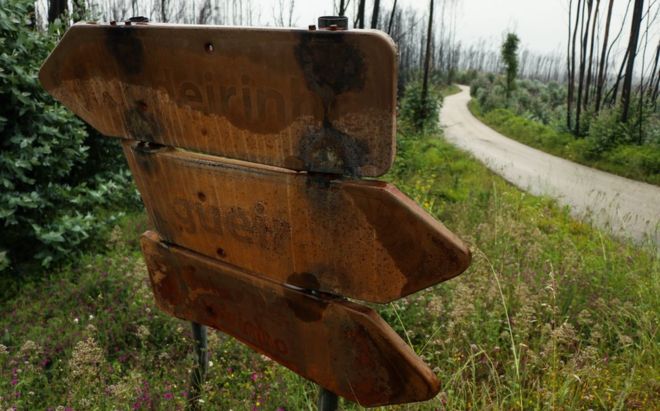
x=374 y=14
x=571 y=66
x=56 y=8
x=389 y=25
x=359 y=22
x=632 y=52
x=591 y=56
x=427 y=60
x=584 y=30
x=342 y=7
x=600 y=81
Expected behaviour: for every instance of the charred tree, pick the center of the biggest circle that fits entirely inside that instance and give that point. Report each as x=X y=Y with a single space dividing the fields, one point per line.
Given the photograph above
x=392 y=13
x=359 y=21
x=584 y=28
x=591 y=56
x=427 y=61
x=374 y=14
x=600 y=81
x=56 y=8
x=571 y=65
x=635 y=27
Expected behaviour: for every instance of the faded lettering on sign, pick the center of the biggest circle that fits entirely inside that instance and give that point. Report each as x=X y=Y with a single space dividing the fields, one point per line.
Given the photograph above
x=250 y=226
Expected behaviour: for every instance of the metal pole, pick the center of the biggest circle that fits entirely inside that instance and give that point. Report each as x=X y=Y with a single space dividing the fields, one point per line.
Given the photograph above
x=328 y=401
x=199 y=371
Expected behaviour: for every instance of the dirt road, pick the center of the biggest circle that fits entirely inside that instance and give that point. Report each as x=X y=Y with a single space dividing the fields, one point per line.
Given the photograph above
x=625 y=207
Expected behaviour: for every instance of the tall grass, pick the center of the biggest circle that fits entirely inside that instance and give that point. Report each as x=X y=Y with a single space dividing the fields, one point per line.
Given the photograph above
x=551 y=314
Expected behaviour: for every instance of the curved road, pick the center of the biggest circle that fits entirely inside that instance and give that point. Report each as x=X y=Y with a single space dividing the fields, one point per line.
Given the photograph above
x=625 y=207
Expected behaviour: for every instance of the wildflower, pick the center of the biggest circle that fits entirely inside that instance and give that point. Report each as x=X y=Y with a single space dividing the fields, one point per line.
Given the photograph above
x=28 y=347
x=91 y=317
x=210 y=364
x=625 y=340
x=3 y=350
x=76 y=320
x=168 y=396
x=86 y=359
x=143 y=332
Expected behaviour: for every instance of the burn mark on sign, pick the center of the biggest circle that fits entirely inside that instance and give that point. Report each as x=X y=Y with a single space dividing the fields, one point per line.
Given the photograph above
x=125 y=46
x=143 y=155
x=299 y=304
x=307 y=281
x=331 y=66
x=328 y=150
x=140 y=124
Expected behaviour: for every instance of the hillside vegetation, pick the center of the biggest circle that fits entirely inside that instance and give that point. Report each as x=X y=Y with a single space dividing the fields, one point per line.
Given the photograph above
x=552 y=313
x=534 y=115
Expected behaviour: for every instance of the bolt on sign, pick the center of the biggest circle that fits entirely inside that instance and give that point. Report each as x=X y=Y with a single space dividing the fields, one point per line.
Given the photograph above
x=247 y=146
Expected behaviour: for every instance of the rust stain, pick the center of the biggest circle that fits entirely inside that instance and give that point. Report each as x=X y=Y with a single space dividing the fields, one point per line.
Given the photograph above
x=338 y=344
x=267 y=96
x=361 y=239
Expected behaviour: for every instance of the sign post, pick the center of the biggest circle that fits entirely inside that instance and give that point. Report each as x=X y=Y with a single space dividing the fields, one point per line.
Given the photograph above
x=199 y=371
x=249 y=147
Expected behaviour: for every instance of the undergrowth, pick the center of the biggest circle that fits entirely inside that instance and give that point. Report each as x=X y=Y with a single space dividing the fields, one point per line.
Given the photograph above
x=608 y=145
x=551 y=314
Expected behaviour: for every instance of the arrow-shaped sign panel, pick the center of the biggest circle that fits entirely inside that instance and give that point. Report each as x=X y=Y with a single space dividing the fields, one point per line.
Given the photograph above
x=300 y=99
x=342 y=346
x=358 y=238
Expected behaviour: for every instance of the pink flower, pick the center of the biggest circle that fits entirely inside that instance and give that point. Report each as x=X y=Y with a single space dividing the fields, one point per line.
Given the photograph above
x=168 y=396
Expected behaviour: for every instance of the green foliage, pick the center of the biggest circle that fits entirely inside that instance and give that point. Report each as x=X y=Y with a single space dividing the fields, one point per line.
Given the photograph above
x=416 y=114
x=608 y=146
x=52 y=183
x=509 y=54
x=531 y=98
x=552 y=314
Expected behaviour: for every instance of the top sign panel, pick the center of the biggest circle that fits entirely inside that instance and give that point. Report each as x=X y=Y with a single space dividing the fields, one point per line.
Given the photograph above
x=320 y=101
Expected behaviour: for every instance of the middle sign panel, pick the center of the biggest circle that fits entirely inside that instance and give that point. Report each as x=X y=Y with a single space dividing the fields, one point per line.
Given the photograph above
x=361 y=239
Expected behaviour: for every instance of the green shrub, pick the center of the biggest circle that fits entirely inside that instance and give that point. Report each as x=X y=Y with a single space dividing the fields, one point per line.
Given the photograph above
x=640 y=162
x=416 y=114
x=52 y=183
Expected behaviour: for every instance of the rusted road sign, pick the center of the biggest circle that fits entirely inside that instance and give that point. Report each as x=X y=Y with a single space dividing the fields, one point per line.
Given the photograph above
x=305 y=100
x=362 y=239
x=260 y=251
x=361 y=358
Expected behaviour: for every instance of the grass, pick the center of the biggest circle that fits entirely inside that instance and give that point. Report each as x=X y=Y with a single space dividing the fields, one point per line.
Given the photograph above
x=551 y=314
x=638 y=162
x=450 y=90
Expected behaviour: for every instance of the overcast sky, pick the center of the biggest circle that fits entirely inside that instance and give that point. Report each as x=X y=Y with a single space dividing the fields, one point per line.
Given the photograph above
x=540 y=24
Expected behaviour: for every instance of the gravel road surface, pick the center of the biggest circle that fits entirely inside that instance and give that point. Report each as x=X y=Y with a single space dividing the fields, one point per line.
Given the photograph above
x=625 y=207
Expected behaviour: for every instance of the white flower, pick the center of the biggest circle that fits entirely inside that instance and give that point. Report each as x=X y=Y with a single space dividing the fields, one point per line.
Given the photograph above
x=91 y=317
x=76 y=320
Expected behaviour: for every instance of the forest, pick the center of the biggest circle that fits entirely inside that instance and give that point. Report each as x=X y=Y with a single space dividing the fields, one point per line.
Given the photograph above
x=553 y=313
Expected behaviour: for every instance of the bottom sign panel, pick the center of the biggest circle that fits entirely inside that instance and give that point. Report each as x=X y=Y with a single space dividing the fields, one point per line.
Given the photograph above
x=345 y=347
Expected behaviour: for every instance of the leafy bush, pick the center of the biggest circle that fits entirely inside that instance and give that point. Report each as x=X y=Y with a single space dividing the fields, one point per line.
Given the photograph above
x=52 y=183
x=417 y=114
x=608 y=146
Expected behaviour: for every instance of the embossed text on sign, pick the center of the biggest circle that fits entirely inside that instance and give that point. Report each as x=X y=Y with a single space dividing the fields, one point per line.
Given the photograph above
x=345 y=347
x=361 y=239
x=306 y=100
